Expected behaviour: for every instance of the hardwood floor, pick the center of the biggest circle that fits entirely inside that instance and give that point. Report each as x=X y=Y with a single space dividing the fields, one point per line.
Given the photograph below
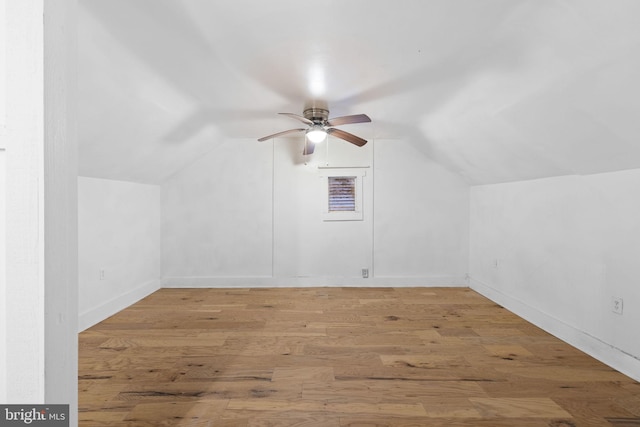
x=339 y=357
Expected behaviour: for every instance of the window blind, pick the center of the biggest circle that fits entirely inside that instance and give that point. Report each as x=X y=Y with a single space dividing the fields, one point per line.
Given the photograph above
x=342 y=193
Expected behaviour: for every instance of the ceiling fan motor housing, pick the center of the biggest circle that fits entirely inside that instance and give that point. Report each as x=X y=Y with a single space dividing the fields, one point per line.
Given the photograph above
x=316 y=115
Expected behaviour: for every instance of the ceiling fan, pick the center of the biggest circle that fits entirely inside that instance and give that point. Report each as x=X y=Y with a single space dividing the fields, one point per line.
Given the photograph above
x=319 y=125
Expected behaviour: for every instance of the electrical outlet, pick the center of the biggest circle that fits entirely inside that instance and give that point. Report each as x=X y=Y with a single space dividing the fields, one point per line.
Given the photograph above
x=101 y=274
x=365 y=273
x=495 y=263
x=616 y=305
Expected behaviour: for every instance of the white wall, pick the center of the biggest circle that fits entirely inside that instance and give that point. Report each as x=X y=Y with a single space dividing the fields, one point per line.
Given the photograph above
x=119 y=235
x=217 y=216
x=307 y=249
x=41 y=241
x=556 y=251
x=3 y=189
x=24 y=232
x=59 y=211
x=421 y=218
x=3 y=277
x=264 y=226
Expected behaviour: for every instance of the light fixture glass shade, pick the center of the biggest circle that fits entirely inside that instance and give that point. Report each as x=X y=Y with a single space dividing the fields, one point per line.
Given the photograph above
x=316 y=135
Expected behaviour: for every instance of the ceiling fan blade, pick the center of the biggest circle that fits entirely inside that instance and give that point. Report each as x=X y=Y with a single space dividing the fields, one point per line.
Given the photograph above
x=309 y=147
x=297 y=117
x=345 y=120
x=349 y=137
x=264 y=138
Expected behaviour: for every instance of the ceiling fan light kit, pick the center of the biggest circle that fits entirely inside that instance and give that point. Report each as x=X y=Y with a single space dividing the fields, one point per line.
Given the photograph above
x=319 y=125
x=316 y=134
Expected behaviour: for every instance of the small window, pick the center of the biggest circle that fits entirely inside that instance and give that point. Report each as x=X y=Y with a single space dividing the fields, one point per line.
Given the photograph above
x=342 y=194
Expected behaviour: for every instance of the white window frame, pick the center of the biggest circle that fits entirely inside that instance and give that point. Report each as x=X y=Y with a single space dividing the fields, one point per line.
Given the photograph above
x=358 y=174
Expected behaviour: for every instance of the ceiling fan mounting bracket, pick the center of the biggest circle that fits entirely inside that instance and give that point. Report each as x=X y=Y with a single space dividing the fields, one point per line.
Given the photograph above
x=316 y=115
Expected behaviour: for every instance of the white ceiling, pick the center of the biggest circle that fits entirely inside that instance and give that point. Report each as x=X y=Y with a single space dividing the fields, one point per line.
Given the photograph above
x=494 y=90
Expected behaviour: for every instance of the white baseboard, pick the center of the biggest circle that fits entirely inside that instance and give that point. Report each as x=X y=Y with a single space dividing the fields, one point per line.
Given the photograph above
x=593 y=346
x=96 y=315
x=287 y=282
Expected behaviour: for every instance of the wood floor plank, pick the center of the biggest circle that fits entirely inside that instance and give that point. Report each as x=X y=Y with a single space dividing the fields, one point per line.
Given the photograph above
x=336 y=357
x=371 y=391
x=334 y=408
x=303 y=374
x=518 y=407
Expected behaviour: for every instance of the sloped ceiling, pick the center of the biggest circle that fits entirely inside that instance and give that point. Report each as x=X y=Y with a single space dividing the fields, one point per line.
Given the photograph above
x=494 y=90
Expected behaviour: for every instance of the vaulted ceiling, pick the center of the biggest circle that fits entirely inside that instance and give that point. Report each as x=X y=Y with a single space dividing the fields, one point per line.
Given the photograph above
x=494 y=90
